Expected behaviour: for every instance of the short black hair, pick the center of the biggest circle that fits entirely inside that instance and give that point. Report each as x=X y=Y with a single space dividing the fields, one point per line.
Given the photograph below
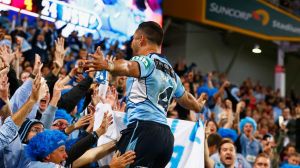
x=153 y=32
x=214 y=139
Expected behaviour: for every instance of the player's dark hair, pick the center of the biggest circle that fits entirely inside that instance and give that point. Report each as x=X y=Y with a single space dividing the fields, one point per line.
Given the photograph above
x=153 y=32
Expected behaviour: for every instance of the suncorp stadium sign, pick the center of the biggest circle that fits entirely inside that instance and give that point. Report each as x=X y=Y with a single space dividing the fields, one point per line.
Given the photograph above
x=255 y=18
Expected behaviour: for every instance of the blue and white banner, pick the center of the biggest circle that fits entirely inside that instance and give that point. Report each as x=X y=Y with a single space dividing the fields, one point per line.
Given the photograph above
x=188 y=145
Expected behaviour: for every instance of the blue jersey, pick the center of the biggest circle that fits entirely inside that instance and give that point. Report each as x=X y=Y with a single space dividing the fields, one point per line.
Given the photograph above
x=149 y=96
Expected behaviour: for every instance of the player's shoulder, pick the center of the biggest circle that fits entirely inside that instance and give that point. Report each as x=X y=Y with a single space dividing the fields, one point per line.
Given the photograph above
x=145 y=60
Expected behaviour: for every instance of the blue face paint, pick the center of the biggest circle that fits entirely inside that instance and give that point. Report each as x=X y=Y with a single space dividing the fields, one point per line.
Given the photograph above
x=178 y=152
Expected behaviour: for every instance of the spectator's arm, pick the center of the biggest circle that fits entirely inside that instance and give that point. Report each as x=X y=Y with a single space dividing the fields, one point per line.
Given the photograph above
x=38 y=91
x=8 y=131
x=59 y=55
x=208 y=162
x=69 y=77
x=87 y=142
x=69 y=100
x=228 y=105
x=209 y=82
x=51 y=79
x=21 y=95
x=280 y=139
x=81 y=146
x=48 y=116
x=13 y=81
x=23 y=92
x=240 y=106
x=221 y=90
x=85 y=120
x=94 y=154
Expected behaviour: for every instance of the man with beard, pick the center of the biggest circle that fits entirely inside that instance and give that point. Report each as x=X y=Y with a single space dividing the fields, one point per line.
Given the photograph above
x=227 y=155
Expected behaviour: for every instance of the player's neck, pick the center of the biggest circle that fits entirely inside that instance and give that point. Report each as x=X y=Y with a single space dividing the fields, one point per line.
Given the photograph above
x=150 y=49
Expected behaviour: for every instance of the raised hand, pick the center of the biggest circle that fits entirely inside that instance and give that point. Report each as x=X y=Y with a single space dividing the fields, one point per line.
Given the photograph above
x=18 y=53
x=98 y=63
x=44 y=89
x=37 y=65
x=91 y=123
x=79 y=78
x=226 y=84
x=4 y=71
x=60 y=52
x=4 y=87
x=240 y=106
x=6 y=55
x=106 y=122
x=96 y=98
x=120 y=107
x=58 y=87
x=85 y=120
x=36 y=88
x=112 y=96
x=207 y=130
x=202 y=99
x=121 y=161
x=228 y=105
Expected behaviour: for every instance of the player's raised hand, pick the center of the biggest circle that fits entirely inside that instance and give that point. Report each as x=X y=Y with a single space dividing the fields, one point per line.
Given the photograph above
x=98 y=63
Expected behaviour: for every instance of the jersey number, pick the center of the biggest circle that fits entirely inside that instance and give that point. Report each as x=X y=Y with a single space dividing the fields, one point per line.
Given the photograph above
x=164 y=97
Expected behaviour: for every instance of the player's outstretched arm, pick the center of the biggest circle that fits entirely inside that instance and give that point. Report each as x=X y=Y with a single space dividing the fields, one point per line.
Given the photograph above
x=117 y=67
x=188 y=101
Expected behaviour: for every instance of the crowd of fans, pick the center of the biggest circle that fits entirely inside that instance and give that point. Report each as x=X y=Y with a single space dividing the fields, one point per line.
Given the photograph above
x=48 y=102
x=254 y=119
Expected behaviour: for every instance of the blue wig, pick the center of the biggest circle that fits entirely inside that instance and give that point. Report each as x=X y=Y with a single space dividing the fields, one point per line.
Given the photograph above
x=62 y=114
x=248 y=120
x=228 y=133
x=286 y=165
x=44 y=143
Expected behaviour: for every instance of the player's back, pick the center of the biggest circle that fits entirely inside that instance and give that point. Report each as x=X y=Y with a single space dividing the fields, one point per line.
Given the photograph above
x=150 y=95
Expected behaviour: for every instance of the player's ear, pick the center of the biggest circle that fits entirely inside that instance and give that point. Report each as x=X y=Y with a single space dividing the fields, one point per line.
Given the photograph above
x=143 y=40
